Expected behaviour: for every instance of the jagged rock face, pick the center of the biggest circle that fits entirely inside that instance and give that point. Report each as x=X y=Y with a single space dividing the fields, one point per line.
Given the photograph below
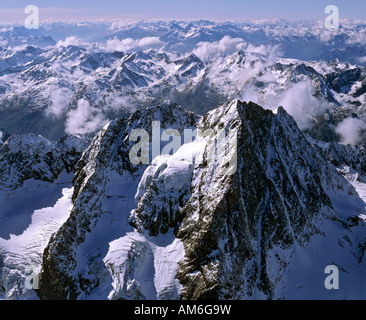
x=35 y=177
x=105 y=184
x=23 y=157
x=238 y=216
x=40 y=91
x=270 y=202
x=340 y=155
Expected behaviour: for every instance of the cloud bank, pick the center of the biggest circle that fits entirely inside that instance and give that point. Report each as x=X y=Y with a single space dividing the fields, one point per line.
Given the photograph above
x=70 y=41
x=129 y=44
x=299 y=102
x=225 y=46
x=59 y=102
x=84 y=119
x=351 y=129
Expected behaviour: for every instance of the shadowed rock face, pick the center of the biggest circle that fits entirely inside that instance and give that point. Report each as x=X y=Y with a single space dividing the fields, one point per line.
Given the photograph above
x=274 y=199
x=104 y=172
x=29 y=156
x=238 y=229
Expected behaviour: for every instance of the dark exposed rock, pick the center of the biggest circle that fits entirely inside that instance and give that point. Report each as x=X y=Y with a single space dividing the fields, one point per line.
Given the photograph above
x=237 y=228
x=106 y=159
x=23 y=157
x=267 y=202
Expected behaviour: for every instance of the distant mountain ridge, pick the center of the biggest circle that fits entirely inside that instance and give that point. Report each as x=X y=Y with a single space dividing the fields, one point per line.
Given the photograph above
x=46 y=91
x=231 y=237
x=266 y=192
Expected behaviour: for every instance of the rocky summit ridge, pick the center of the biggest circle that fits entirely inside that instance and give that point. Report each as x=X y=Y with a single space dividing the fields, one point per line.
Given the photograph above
x=227 y=227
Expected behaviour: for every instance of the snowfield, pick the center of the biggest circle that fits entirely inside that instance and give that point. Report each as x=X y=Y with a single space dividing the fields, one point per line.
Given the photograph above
x=263 y=219
x=24 y=251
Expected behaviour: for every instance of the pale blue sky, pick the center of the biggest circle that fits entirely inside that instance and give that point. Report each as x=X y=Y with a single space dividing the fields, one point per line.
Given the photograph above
x=188 y=9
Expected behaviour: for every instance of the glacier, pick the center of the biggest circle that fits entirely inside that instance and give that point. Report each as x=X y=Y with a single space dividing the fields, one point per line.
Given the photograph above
x=263 y=220
x=136 y=242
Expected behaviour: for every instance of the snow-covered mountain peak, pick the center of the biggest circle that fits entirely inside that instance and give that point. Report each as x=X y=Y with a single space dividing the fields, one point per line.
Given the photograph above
x=242 y=227
x=182 y=160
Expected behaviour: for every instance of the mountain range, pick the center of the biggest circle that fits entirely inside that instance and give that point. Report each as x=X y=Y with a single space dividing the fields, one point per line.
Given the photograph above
x=284 y=199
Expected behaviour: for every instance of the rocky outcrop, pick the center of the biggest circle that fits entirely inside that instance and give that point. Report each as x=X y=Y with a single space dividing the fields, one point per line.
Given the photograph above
x=105 y=184
x=343 y=155
x=29 y=156
x=236 y=235
x=200 y=224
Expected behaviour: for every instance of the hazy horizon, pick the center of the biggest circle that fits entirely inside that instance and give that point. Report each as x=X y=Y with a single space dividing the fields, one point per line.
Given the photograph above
x=12 y=11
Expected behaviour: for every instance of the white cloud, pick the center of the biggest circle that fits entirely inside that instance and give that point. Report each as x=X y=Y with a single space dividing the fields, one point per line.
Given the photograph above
x=121 y=23
x=299 y=102
x=59 y=102
x=362 y=59
x=84 y=119
x=297 y=99
x=357 y=37
x=117 y=103
x=128 y=44
x=19 y=48
x=226 y=45
x=350 y=130
x=70 y=41
x=243 y=75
